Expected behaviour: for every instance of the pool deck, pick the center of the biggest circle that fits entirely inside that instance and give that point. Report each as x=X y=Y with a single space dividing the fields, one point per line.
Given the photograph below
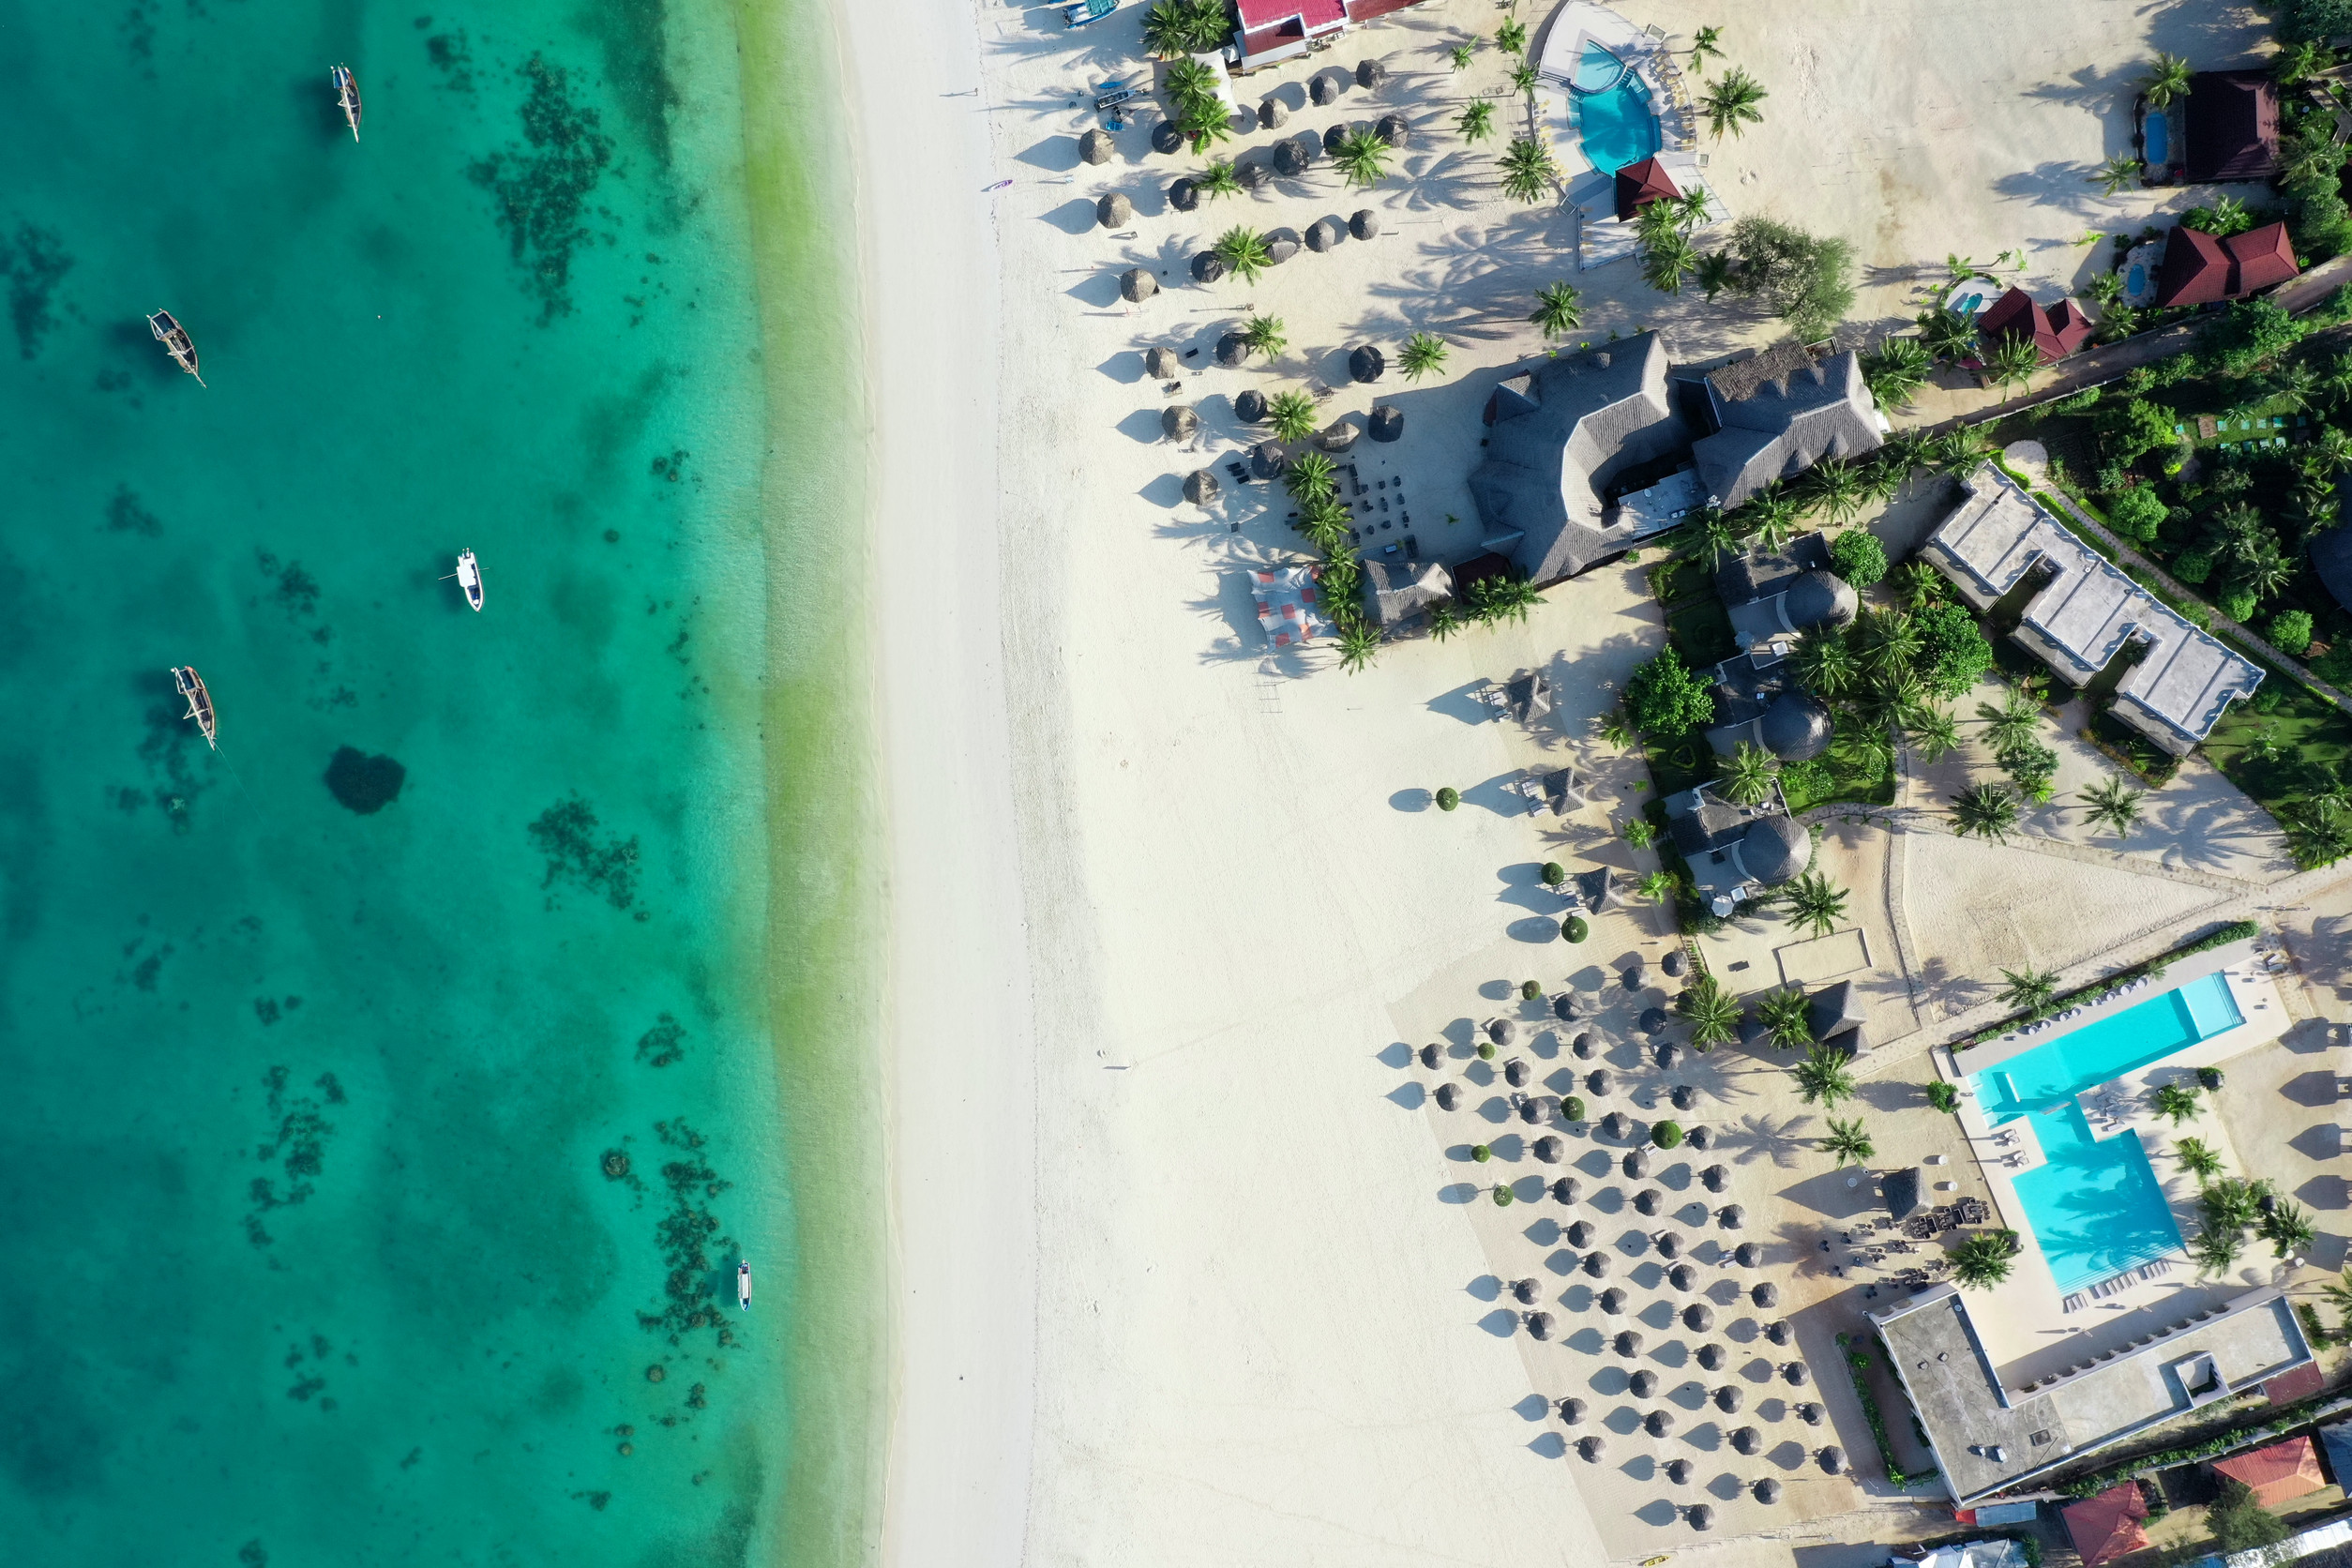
x=2037 y=1326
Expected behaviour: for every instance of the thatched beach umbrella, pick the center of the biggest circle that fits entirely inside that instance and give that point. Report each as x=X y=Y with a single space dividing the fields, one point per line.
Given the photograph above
x=1592 y=1449
x=1745 y=1441
x=1614 y=1124
x=1183 y=194
x=1114 y=210
x=1681 y=1276
x=1525 y=1291
x=1668 y=1242
x=1699 y=1137
x=1514 y=1072
x=1162 y=365
x=1684 y=1096
x=1539 y=1325
x=1531 y=1110
x=1564 y=1006
x=1273 y=114
x=1166 y=138
x=1647 y=1201
x=1747 y=1255
x=1612 y=1301
x=1698 y=1318
x=1636 y=1164
x=1334 y=139
x=1548 y=1149
x=1232 y=348
x=1597 y=1082
x=1766 y=1294
x=1796 y=1374
x=1581 y=1046
x=1387 y=422
x=1201 y=487
x=1777 y=1331
x=1572 y=1411
x=1642 y=1384
x=1766 y=1491
x=1338 y=438
x=1179 y=423
x=1701 y=1515
x=1658 y=1424
x=1431 y=1055
x=1370 y=73
x=1597 y=1264
x=1208 y=268
x=1393 y=131
x=1567 y=1189
x=1136 y=284
x=1096 y=146
x=1730 y=1217
x=1709 y=1357
x=1367 y=363
x=1635 y=976
x=1654 y=1020
x=1254 y=176
x=1580 y=1234
x=1503 y=1032
x=1364 y=224
x=1667 y=1055
x=1714 y=1178
x=1267 y=460
x=1833 y=1459
x=1249 y=406
x=1809 y=1414
x=1676 y=1471
x=1324 y=234
x=1448 y=1096
x=1628 y=1342
x=1674 y=963
x=1288 y=161
x=1730 y=1397
x=1323 y=89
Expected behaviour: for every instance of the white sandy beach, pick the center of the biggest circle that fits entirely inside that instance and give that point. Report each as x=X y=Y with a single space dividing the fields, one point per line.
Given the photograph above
x=1181 y=1276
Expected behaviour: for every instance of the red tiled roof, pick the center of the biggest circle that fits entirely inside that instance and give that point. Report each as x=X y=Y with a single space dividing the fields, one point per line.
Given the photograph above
x=2289 y=1387
x=2056 y=330
x=2195 y=272
x=2283 y=1470
x=1296 y=18
x=2259 y=257
x=2108 y=1524
x=2233 y=126
x=1640 y=183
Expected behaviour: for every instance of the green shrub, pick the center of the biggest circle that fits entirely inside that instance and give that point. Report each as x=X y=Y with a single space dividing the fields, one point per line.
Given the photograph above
x=1639 y=834
x=2240 y=605
x=1502 y=1196
x=2136 y=512
x=1665 y=698
x=2238 y=1523
x=1666 y=1135
x=1530 y=989
x=2193 y=565
x=2208 y=1079
x=1554 y=873
x=1574 y=928
x=1859 y=557
x=2290 y=632
x=1486 y=1050
x=1448 y=798
x=1943 y=1097
x=2335 y=666
x=1572 y=1108
x=2135 y=427
x=1952 y=651
x=1479 y=1153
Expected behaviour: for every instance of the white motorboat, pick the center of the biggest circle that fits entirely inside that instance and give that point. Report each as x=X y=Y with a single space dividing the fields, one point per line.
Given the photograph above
x=743 y=1286
x=469 y=576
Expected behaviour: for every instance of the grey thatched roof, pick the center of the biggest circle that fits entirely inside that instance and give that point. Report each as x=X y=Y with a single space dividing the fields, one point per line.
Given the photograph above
x=1113 y=210
x=1387 y=422
x=1096 y=146
x=1200 y=487
x=1183 y=194
x=1136 y=284
x=1253 y=175
x=1273 y=114
x=1396 y=590
x=1179 y=423
x=1324 y=87
x=1597 y=890
x=1338 y=436
x=1833 y=1010
x=1584 y=419
x=1763 y=704
x=1563 y=792
x=1901 y=1188
x=1780 y=412
x=1267 y=460
x=1281 y=244
x=1394 y=130
x=1324 y=234
x=1528 y=696
x=1162 y=364
x=1249 y=405
x=1208 y=268
x=1232 y=348
x=1289 y=162
x=1366 y=362
x=1364 y=224
x=1370 y=73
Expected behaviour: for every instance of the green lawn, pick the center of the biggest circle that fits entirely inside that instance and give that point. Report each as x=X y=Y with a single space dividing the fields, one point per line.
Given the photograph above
x=2308 y=736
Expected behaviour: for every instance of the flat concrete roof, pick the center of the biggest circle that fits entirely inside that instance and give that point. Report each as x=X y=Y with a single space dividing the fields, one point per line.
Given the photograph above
x=1969 y=1416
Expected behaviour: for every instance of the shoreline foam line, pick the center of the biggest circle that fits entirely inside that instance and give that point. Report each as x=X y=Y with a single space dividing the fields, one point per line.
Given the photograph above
x=824 y=898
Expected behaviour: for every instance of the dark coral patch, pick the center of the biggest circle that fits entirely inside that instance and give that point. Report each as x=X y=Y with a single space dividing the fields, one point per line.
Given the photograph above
x=366 y=784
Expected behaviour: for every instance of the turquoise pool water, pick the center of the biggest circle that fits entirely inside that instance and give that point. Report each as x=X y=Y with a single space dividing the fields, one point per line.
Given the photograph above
x=1598 y=69
x=1617 y=125
x=2096 y=1206
x=2156 y=141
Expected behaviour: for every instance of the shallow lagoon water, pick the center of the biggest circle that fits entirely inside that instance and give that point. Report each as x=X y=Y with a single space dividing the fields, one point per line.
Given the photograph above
x=373 y=1148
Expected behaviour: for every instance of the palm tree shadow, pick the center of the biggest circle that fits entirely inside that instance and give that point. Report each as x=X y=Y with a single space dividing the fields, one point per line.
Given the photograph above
x=1760 y=1137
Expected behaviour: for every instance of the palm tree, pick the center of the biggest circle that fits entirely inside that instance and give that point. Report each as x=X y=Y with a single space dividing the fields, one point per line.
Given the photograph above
x=2011 y=727
x=1960 y=449
x=1617 y=729
x=1887 y=642
x=1895 y=703
x=1460 y=54
x=1293 y=416
x=1658 y=886
x=1864 y=749
x=1732 y=103
x=2103 y=288
x=1528 y=170
x=1502 y=598
x=1835 y=487
x=2029 y=991
x=2166 y=80
x=1311 y=475
x=1264 y=335
x=2216 y=1248
x=2232 y=1204
x=1815 y=903
x=2288 y=1229
x=1747 y=775
x=2176 y=1103
x=1713 y=1012
x=2117 y=172
x=1714 y=536
x=1896 y=370
x=2295 y=385
x=1772 y=514
x=1714 y=272
x=2013 y=360
x=2113 y=803
x=2197 y=1159
x=1557 y=312
x=1984 y=811
x=1822 y=1079
x=1423 y=355
x=1511 y=37
x=1980 y=1261
x=1705 y=45
x=1175 y=27
x=1325 y=522
x=1949 y=337
x=1934 y=734
x=1787 y=1016
x=1918 y=584
x=2339 y=1294
x=1243 y=249
x=1849 y=1141
x=1824 y=663
x=1359 y=645
x=1476 y=122
x=1524 y=77
x=1219 y=179
x=1363 y=156
x=1667 y=260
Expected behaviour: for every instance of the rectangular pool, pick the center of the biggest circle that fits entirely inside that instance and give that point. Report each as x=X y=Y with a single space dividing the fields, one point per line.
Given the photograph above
x=2096 y=1206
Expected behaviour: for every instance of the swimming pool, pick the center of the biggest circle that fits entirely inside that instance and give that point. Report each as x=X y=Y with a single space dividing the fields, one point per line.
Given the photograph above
x=1969 y=298
x=2096 y=1206
x=2156 y=141
x=1614 y=122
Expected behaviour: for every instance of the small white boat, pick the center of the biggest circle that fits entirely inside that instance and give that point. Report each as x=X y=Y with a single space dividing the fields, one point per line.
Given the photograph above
x=469 y=576
x=743 y=1286
x=191 y=686
x=347 y=97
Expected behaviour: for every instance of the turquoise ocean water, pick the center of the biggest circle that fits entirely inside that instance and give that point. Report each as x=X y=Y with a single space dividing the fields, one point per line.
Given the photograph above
x=320 y=1244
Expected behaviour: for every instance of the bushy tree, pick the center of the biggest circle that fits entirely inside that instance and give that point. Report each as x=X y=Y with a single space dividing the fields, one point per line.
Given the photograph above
x=2136 y=425
x=1806 y=280
x=2137 y=512
x=1665 y=698
x=2290 y=632
x=1860 y=558
x=1983 y=1260
x=2240 y=1523
x=2251 y=337
x=1952 y=649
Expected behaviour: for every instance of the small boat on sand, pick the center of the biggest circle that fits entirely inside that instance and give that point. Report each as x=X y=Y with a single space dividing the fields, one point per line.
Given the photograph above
x=191 y=686
x=347 y=95
x=175 y=341
x=743 y=1286
x=469 y=576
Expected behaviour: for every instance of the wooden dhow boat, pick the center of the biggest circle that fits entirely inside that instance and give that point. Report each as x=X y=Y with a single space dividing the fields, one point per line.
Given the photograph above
x=175 y=341
x=743 y=1285
x=469 y=576
x=347 y=95
x=191 y=686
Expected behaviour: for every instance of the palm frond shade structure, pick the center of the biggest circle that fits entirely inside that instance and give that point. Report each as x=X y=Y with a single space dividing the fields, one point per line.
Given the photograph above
x=1201 y=487
x=1364 y=224
x=1271 y=115
x=1668 y=1242
x=1166 y=138
x=1832 y=1460
x=1729 y=1398
x=1367 y=363
x=1323 y=89
x=1394 y=130
x=1162 y=365
x=1745 y=1441
x=1629 y=1342
x=1322 y=235
x=1114 y=211
x=1249 y=406
x=1136 y=284
x=1179 y=423
x=1658 y=1424
x=1281 y=244
x=1387 y=422
x=1593 y=1450
x=1232 y=348
x=1709 y=1357
x=1370 y=73
x=1208 y=268
x=1699 y=1317
x=1796 y=1374
x=1290 y=159
x=1572 y=1411
x=1612 y=1301
x=1096 y=146
x=1766 y=1294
